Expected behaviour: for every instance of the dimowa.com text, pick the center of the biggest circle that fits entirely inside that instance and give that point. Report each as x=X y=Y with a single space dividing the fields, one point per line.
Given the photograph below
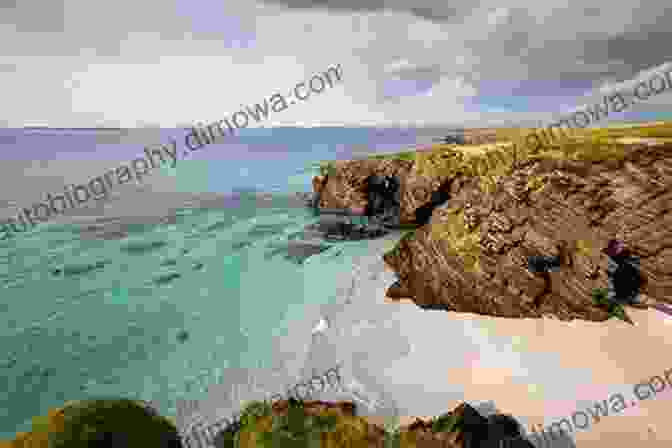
x=643 y=390
x=200 y=432
x=558 y=131
x=157 y=155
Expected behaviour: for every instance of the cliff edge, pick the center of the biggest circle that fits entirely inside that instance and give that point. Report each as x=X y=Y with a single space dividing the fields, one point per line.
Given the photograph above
x=505 y=205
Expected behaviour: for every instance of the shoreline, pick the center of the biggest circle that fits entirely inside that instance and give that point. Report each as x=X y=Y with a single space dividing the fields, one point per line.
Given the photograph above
x=423 y=363
x=547 y=369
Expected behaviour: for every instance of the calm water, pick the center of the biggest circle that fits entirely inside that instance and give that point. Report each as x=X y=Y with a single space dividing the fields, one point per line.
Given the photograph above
x=159 y=307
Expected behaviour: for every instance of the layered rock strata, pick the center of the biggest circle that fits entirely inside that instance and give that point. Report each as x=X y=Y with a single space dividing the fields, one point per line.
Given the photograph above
x=472 y=254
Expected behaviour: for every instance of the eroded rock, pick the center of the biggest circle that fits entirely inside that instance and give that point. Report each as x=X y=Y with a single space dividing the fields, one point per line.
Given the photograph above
x=472 y=255
x=604 y=202
x=346 y=188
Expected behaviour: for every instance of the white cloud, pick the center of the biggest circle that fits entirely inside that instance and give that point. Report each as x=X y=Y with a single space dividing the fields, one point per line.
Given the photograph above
x=397 y=65
x=498 y=16
x=455 y=88
x=123 y=63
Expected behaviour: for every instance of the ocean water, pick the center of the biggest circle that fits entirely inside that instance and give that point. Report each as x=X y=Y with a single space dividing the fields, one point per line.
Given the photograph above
x=157 y=301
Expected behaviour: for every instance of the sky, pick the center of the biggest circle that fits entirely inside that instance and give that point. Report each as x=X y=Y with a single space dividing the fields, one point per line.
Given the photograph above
x=169 y=63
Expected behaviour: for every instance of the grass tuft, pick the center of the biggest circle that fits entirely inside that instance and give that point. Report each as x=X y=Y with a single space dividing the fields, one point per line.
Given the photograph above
x=446 y=423
x=404 y=155
x=459 y=240
x=489 y=163
x=614 y=309
x=327 y=168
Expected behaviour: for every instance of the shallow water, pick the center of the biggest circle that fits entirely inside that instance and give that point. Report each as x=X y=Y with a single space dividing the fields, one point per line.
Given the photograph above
x=157 y=308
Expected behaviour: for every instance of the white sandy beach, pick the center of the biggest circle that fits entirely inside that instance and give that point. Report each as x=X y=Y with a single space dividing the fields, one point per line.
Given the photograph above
x=420 y=363
x=541 y=371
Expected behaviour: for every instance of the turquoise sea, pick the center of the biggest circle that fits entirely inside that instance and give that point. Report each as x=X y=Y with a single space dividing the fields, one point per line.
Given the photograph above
x=157 y=308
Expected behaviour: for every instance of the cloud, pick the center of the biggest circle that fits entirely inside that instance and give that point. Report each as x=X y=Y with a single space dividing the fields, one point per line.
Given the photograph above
x=424 y=9
x=498 y=16
x=77 y=63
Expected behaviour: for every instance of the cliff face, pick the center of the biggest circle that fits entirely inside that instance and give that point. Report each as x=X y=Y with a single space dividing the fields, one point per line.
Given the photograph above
x=472 y=255
x=463 y=427
x=346 y=186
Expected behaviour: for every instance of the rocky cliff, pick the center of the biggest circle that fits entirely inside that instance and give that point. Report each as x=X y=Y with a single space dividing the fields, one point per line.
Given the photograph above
x=335 y=423
x=472 y=254
x=345 y=187
x=463 y=427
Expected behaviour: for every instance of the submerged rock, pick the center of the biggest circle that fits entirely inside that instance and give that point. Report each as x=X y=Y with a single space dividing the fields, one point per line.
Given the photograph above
x=264 y=230
x=142 y=247
x=332 y=228
x=79 y=269
x=238 y=245
x=167 y=278
x=197 y=266
x=338 y=253
x=297 y=251
x=182 y=336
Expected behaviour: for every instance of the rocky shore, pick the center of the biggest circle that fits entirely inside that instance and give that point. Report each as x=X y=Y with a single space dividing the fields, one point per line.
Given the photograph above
x=334 y=423
x=462 y=427
x=475 y=225
x=471 y=254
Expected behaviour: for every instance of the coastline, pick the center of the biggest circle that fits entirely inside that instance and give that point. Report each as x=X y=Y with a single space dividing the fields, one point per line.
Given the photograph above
x=539 y=370
x=407 y=359
x=416 y=363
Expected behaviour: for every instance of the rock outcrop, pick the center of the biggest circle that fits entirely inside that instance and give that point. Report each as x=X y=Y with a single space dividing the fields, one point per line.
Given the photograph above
x=463 y=427
x=347 y=186
x=472 y=255
x=99 y=422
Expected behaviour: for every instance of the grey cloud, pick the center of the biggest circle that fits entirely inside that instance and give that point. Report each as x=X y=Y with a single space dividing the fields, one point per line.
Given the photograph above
x=33 y=15
x=436 y=13
x=603 y=45
x=641 y=50
x=72 y=28
x=425 y=9
x=599 y=42
x=565 y=43
x=431 y=71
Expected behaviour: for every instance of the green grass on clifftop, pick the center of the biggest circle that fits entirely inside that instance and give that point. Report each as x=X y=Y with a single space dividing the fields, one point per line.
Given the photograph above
x=405 y=155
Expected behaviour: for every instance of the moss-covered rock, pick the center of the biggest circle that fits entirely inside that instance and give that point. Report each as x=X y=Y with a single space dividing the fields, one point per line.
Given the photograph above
x=100 y=423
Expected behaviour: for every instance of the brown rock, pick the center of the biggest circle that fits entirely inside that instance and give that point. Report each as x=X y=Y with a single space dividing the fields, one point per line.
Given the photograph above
x=605 y=201
x=397 y=291
x=346 y=188
x=583 y=201
x=316 y=407
x=351 y=430
x=318 y=183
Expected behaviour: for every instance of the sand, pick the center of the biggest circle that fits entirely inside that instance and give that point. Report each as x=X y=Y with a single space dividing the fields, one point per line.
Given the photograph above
x=408 y=362
x=539 y=370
